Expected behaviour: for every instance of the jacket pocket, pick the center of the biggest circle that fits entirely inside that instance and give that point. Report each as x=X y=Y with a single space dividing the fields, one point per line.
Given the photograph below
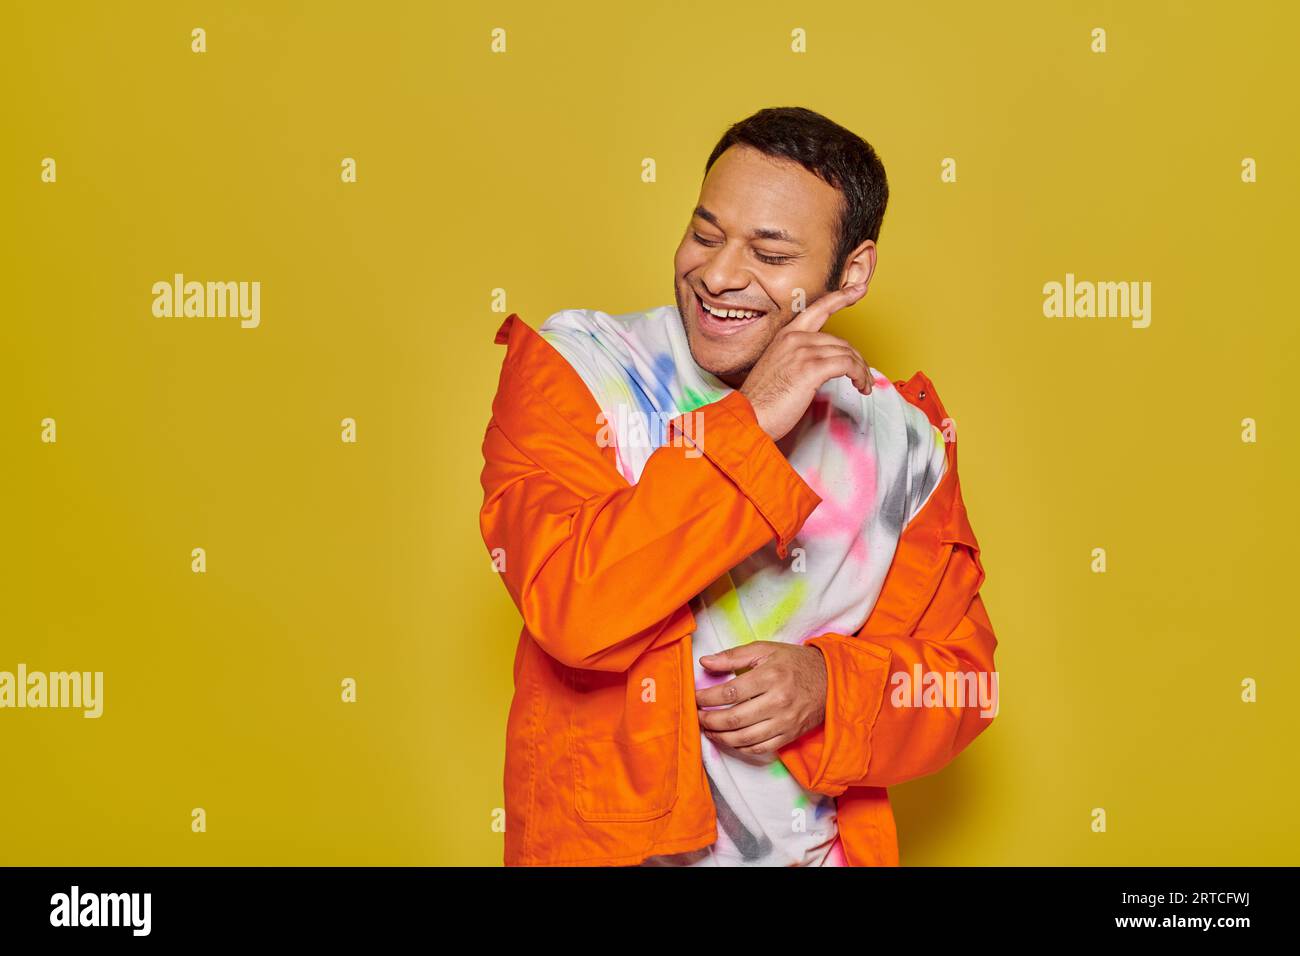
x=624 y=732
x=959 y=531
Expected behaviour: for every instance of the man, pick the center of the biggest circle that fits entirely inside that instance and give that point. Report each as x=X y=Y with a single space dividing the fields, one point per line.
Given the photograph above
x=729 y=609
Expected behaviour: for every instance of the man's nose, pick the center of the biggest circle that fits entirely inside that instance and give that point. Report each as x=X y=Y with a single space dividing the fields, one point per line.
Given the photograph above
x=726 y=269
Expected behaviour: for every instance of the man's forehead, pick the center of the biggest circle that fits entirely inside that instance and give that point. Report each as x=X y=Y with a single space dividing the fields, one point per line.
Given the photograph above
x=750 y=194
x=776 y=233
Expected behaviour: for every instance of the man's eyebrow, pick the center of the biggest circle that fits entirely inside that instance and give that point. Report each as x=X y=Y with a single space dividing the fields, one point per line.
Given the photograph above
x=776 y=235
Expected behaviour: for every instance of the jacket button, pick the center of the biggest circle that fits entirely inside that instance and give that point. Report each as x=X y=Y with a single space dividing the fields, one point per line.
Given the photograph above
x=922 y=394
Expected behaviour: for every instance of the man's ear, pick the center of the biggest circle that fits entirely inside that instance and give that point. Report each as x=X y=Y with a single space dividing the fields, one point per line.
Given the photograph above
x=861 y=264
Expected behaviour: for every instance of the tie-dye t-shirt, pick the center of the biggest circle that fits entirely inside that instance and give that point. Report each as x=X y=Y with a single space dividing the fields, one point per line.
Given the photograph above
x=873 y=459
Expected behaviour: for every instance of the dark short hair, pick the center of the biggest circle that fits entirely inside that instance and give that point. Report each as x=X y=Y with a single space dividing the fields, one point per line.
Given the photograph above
x=834 y=154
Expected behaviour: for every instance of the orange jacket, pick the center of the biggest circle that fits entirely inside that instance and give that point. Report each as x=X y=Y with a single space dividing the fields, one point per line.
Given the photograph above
x=598 y=770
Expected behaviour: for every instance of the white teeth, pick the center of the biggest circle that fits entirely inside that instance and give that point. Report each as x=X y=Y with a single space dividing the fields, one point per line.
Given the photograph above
x=729 y=313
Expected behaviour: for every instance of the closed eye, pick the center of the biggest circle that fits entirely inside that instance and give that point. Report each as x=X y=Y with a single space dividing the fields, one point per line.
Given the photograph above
x=771 y=260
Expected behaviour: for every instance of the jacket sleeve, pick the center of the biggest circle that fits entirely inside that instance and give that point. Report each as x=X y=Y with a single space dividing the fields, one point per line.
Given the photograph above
x=600 y=579
x=873 y=734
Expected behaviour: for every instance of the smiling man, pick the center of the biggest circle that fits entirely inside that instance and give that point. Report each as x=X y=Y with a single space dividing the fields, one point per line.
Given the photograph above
x=730 y=539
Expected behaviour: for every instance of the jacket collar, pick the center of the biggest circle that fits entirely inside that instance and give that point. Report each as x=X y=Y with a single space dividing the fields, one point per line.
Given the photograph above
x=546 y=410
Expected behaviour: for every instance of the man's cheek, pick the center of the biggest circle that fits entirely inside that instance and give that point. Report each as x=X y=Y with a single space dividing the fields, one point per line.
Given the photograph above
x=769 y=333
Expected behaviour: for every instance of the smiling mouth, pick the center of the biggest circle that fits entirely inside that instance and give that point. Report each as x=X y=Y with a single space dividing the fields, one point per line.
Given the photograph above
x=724 y=322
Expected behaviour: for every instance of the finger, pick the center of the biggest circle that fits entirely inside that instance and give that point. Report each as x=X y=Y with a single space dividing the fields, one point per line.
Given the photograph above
x=868 y=379
x=843 y=363
x=799 y=339
x=759 y=735
x=814 y=317
x=727 y=719
x=859 y=372
x=831 y=351
x=717 y=662
x=735 y=691
x=769 y=746
x=824 y=338
x=820 y=339
x=734 y=658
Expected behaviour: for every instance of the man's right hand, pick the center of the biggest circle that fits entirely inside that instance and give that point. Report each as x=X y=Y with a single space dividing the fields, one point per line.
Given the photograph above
x=799 y=360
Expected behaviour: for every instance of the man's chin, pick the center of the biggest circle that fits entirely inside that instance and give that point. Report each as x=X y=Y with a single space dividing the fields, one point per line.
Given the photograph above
x=722 y=359
x=721 y=366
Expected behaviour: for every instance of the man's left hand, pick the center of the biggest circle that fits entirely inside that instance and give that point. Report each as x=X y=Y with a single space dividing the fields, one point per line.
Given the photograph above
x=778 y=699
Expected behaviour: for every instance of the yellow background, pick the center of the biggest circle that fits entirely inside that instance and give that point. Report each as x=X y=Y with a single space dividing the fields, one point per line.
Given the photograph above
x=522 y=172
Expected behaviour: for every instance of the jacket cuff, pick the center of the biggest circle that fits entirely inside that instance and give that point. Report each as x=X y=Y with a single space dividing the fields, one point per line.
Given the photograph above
x=828 y=758
x=728 y=434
